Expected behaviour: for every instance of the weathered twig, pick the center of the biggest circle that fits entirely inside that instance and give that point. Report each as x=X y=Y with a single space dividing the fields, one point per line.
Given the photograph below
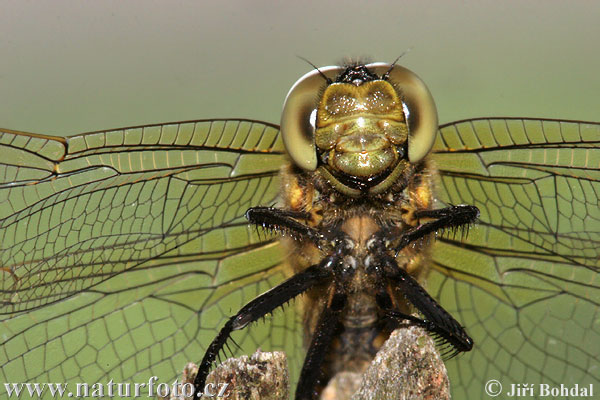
x=262 y=376
x=408 y=366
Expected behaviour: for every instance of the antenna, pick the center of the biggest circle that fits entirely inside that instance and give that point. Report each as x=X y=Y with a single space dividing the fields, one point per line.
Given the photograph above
x=387 y=74
x=329 y=81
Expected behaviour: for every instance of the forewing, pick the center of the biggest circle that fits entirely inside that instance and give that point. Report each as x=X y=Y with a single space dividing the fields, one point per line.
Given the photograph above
x=122 y=252
x=525 y=281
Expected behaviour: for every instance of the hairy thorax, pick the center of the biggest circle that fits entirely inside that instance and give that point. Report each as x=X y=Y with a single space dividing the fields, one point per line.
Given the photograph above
x=363 y=329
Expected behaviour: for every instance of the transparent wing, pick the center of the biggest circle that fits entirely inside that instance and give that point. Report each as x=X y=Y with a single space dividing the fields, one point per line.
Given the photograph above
x=121 y=252
x=525 y=282
x=160 y=209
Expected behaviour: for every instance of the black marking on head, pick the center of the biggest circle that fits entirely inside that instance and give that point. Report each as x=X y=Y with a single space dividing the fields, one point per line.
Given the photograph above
x=357 y=75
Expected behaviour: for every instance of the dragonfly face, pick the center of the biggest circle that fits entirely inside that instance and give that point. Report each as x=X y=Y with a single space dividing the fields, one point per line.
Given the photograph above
x=124 y=252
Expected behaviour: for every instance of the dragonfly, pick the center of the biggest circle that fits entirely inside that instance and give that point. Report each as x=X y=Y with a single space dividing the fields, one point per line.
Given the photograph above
x=123 y=252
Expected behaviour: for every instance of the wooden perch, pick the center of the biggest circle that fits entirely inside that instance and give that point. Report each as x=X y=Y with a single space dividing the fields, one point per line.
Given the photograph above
x=262 y=376
x=408 y=366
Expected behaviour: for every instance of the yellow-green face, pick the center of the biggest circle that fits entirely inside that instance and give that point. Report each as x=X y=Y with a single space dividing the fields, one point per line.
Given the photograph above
x=362 y=129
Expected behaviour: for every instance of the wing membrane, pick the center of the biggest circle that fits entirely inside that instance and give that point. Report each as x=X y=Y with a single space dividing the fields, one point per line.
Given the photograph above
x=77 y=211
x=525 y=281
x=160 y=206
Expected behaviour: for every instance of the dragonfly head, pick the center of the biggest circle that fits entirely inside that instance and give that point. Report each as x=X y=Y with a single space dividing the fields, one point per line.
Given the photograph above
x=358 y=123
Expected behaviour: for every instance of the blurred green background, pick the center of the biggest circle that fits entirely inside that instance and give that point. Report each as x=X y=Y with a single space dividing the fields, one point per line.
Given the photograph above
x=70 y=67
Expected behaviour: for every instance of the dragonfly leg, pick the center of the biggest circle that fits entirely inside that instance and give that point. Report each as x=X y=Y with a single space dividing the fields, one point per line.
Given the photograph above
x=444 y=218
x=285 y=222
x=324 y=333
x=259 y=307
x=436 y=319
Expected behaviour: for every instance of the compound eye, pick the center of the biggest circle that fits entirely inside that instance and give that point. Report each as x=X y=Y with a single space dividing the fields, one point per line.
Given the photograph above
x=419 y=107
x=298 y=116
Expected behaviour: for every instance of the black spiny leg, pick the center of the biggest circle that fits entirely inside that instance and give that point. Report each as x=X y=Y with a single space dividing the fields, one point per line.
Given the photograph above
x=336 y=242
x=284 y=222
x=320 y=342
x=437 y=320
x=259 y=307
x=444 y=218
